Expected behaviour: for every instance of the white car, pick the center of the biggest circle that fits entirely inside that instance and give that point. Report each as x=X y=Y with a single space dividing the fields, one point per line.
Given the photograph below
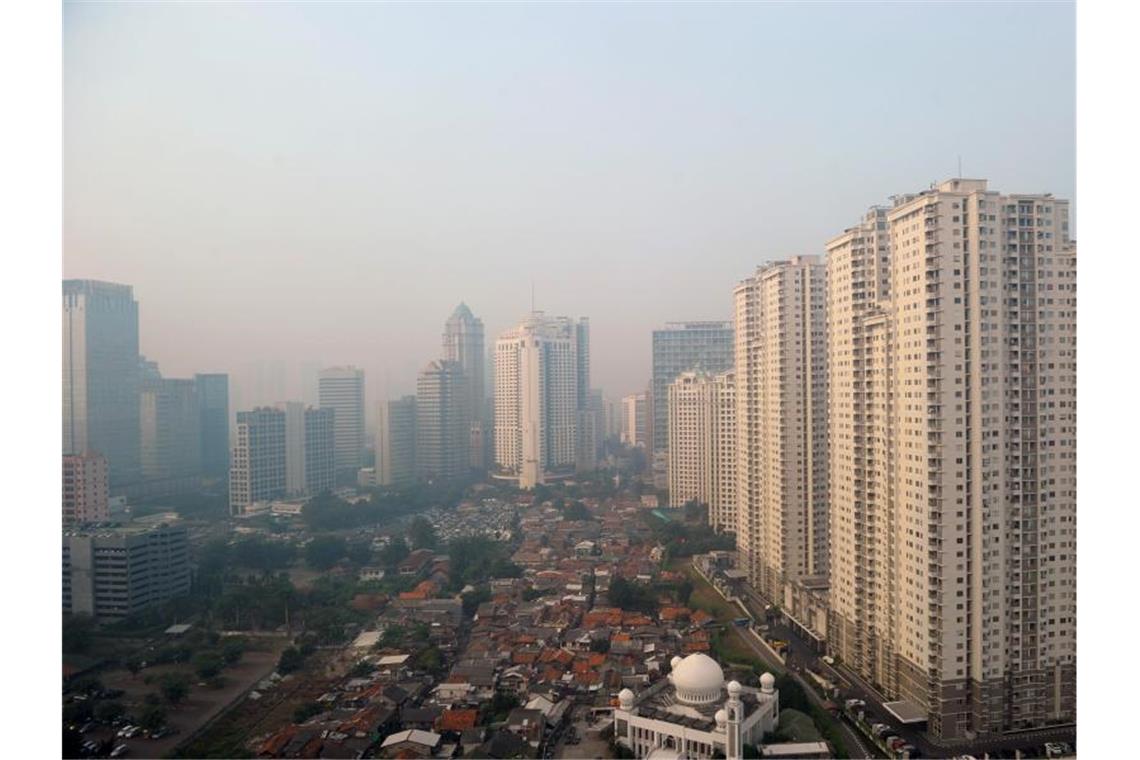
x=829 y=660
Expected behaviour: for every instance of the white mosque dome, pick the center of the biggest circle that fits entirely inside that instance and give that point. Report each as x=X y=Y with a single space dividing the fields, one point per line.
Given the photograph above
x=721 y=718
x=734 y=688
x=767 y=683
x=625 y=699
x=698 y=679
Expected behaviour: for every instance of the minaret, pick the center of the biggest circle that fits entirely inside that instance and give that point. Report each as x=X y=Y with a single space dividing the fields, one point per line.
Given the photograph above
x=733 y=746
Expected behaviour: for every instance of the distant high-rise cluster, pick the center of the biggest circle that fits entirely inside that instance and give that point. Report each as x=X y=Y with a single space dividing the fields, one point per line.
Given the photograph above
x=443 y=421
x=157 y=435
x=541 y=386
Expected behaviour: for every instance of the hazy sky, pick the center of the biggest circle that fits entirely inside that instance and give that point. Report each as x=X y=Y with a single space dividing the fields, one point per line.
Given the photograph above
x=293 y=182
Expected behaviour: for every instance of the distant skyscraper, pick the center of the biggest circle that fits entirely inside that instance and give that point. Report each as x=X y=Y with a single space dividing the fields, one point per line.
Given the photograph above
x=781 y=396
x=536 y=398
x=396 y=442
x=952 y=345
x=635 y=420
x=258 y=469
x=170 y=429
x=463 y=344
x=320 y=450
x=702 y=445
x=443 y=422
x=214 y=424
x=100 y=375
x=342 y=390
x=294 y=446
x=85 y=488
x=680 y=347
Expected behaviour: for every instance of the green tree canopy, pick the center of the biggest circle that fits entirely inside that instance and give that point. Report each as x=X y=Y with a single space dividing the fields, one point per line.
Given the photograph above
x=323 y=552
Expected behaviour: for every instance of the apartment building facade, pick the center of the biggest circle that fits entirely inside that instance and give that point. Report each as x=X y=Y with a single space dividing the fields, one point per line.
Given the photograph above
x=702 y=445
x=952 y=342
x=257 y=471
x=781 y=400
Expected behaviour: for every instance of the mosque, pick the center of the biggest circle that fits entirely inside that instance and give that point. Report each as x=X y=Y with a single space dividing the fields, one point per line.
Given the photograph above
x=694 y=715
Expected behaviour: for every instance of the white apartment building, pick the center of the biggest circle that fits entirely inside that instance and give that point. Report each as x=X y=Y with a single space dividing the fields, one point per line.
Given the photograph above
x=782 y=424
x=702 y=444
x=536 y=399
x=85 y=488
x=953 y=386
x=257 y=467
x=342 y=390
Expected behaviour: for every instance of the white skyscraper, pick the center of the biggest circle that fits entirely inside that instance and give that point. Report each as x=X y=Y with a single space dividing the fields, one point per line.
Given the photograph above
x=537 y=393
x=702 y=444
x=342 y=390
x=781 y=399
x=952 y=341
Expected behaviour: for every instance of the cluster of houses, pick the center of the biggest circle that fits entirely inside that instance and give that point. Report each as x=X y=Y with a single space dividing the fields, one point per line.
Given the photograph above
x=517 y=666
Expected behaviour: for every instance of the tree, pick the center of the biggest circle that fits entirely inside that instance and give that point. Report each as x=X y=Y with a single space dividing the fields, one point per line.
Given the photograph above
x=360 y=553
x=232 y=650
x=324 y=551
x=306 y=711
x=422 y=534
x=133 y=665
x=106 y=712
x=78 y=632
x=175 y=688
x=152 y=717
x=629 y=596
x=577 y=511
x=394 y=553
x=208 y=664
x=291 y=659
x=430 y=659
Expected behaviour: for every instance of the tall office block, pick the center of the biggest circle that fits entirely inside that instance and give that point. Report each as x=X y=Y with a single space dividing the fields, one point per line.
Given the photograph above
x=113 y=573
x=781 y=397
x=463 y=344
x=214 y=424
x=953 y=343
x=85 y=488
x=396 y=442
x=320 y=450
x=294 y=446
x=100 y=375
x=680 y=347
x=170 y=440
x=257 y=472
x=443 y=422
x=536 y=399
x=635 y=413
x=702 y=445
x=342 y=390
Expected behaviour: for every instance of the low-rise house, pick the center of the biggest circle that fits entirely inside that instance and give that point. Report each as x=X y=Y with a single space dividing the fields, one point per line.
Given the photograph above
x=411 y=743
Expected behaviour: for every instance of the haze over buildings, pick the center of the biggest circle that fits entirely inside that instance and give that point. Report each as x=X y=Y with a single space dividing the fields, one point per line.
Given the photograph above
x=366 y=177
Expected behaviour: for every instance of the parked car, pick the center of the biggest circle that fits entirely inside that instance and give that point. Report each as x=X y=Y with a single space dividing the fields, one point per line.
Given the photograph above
x=829 y=659
x=120 y=751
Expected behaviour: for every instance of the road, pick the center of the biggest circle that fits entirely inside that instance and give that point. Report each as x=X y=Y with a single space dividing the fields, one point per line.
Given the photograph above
x=800 y=657
x=856 y=745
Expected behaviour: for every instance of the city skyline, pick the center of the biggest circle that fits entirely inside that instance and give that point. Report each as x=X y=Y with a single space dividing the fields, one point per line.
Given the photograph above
x=317 y=228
